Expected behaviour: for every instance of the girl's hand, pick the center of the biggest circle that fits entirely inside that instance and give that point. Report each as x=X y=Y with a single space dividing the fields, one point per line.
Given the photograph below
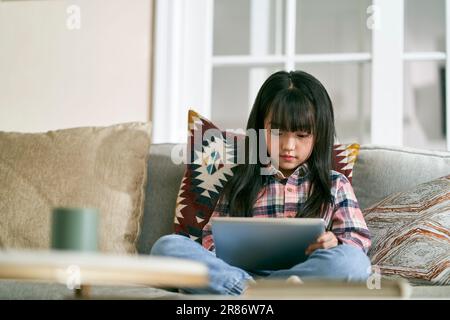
x=326 y=241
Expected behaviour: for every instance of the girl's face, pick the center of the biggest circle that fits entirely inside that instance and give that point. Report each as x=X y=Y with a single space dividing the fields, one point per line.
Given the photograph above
x=294 y=148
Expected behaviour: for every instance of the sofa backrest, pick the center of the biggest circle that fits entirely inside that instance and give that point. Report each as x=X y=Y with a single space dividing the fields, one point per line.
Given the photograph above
x=382 y=170
x=378 y=172
x=163 y=183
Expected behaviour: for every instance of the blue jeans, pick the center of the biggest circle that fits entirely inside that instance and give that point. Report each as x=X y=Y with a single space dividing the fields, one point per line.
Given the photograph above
x=343 y=262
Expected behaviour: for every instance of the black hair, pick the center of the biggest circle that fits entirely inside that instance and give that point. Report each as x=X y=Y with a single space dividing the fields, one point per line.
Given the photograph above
x=294 y=101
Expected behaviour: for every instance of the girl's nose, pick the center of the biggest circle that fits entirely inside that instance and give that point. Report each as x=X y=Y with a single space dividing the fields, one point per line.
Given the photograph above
x=288 y=143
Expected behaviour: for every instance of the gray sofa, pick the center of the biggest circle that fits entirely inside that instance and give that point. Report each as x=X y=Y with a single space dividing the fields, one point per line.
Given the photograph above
x=378 y=172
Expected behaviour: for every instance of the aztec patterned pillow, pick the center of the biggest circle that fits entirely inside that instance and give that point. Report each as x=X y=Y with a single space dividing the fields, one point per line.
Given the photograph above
x=211 y=166
x=411 y=234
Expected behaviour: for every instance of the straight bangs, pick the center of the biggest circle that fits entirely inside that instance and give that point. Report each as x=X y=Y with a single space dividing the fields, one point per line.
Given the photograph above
x=292 y=111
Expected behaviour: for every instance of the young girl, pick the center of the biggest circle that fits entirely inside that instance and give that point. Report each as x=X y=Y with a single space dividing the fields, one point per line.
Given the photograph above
x=302 y=185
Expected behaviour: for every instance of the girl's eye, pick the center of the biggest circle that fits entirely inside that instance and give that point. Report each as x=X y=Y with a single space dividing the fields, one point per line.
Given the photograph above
x=303 y=135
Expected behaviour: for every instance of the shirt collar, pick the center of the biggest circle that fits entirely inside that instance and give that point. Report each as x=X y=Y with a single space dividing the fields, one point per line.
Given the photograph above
x=301 y=171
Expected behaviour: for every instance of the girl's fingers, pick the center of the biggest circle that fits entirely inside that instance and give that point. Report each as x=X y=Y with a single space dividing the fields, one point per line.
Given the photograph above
x=321 y=238
x=309 y=249
x=327 y=243
x=313 y=247
x=327 y=236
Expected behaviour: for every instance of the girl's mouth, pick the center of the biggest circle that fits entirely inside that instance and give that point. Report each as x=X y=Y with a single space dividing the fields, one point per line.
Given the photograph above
x=287 y=157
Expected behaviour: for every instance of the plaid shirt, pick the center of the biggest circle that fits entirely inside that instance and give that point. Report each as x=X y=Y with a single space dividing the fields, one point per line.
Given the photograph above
x=282 y=197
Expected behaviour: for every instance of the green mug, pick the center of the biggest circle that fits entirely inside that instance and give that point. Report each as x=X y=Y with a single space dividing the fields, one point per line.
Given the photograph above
x=75 y=229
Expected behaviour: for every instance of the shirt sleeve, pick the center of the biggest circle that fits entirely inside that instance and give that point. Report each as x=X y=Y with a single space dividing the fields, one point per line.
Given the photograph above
x=348 y=222
x=221 y=210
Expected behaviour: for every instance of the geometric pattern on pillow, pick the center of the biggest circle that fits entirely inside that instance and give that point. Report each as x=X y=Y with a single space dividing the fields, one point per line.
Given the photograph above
x=411 y=234
x=213 y=163
x=344 y=158
x=210 y=166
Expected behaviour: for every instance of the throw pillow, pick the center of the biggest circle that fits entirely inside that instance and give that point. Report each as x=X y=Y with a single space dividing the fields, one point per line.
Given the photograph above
x=411 y=233
x=100 y=167
x=204 y=180
x=210 y=166
x=344 y=158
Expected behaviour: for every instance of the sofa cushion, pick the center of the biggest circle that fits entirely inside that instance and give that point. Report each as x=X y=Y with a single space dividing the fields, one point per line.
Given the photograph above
x=411 y=233
x=212 y=161
x=383 y=170
x=100 y=167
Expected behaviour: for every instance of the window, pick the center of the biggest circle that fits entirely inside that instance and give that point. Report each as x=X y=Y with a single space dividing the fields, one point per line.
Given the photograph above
x=424 y=74
x=384 y=72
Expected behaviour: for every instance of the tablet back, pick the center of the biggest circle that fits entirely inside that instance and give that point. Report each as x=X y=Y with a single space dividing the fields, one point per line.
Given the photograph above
x=264 y=243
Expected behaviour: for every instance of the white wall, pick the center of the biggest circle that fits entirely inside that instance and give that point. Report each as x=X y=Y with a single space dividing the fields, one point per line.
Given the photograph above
x=52 y=77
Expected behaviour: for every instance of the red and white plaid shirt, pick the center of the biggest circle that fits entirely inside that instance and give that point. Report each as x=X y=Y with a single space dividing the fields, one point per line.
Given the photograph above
x=282 y=197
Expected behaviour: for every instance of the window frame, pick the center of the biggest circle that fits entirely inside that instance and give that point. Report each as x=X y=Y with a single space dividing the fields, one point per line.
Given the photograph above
x=184 y=63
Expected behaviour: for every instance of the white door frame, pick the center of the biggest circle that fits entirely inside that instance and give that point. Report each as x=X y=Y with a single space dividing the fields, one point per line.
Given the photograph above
x=182 y=66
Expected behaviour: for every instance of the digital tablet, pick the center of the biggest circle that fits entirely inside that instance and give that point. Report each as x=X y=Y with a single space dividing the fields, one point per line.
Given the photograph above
x=264 y=243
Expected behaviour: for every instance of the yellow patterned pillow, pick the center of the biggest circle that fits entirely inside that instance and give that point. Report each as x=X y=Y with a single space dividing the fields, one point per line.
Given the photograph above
x=344 y=158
